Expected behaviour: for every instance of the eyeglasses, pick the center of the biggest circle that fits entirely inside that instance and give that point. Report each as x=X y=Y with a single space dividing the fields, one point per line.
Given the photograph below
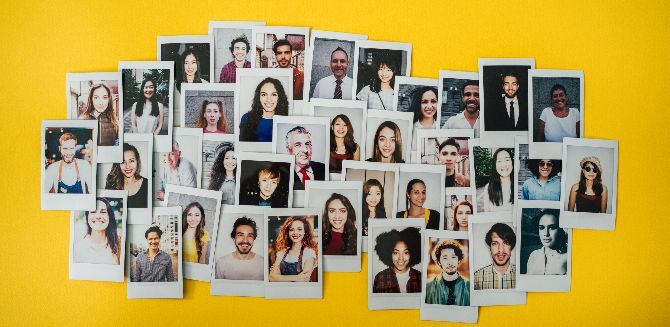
x=589 y=169
x=546 y=164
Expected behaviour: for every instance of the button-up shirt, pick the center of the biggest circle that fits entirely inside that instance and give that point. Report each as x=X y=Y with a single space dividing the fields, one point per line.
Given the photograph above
x=488 y=278
x=157 y=270
x=325 y=88
x=550 y=190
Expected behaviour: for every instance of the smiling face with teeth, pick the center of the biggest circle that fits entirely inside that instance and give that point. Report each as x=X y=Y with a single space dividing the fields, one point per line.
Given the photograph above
x=296 y=232
x=98 y=220
x=429 y=104
x=337 y=215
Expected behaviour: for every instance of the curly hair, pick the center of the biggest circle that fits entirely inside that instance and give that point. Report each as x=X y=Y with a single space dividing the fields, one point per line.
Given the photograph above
x=199 y=230
x=415 y=105
x=181 y=78
x=534 y=167
x=109 y=111
x=462 y=203
x=139 y=105
x=495 y=186
x=447 y=244
x=244 y=221
x=114 y=180
x=153 y=229
x=386 y=242
x=561 y=245
x=397 y=154
x=242 y=38
x=377 y=62
x=218 y=172
x=110 y=231
x=349 y=141
x=503 y=231
x=284 y=240
x=350 y=230
x=222 y=124
x=248 y=127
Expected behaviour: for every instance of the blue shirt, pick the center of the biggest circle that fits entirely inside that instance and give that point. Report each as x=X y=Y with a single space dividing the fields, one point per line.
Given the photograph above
x=263 y=130
x=533 y=190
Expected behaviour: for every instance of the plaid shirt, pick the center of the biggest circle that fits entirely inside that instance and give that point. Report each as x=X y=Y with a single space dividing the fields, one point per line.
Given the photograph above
x=386 y=282
x=228 y=72
x=488 y=278
x=158 y=270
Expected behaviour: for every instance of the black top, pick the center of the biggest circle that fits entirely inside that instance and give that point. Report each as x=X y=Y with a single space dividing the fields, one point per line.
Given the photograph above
x=139 y=199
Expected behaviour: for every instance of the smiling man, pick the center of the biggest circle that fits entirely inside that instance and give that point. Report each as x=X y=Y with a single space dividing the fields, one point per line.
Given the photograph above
x=68 y=175
x=448 y=287
x=469 y=117
x=241 y=264
x=510 y=111
x=299 y=144
x=153 y=265
x=338 y=85
x=283 y=50
x=176 y=170
x=501 y=274
x=239 y=48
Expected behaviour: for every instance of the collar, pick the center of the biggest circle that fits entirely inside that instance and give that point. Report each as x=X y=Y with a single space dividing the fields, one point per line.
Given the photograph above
x=508 y=100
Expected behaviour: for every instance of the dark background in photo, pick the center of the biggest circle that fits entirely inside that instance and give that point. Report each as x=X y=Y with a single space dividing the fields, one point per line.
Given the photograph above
x=493 y=89
x=249 y=179
x=542 y=97
x=173 y=52
x=323 y=48
x=132 y=81
x=406 y=92
x=366 y=58
x=51 y=140
x=452 y=94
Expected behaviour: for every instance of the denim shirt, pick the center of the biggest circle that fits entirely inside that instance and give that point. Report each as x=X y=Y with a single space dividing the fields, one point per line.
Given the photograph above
x=533 y=190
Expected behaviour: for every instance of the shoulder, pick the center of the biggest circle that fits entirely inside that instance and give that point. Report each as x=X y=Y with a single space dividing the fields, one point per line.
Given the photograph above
x=384 y=273
x=325 y=80
x=574 y=187
x=400 y=214
x=364 y=92
x=309 y=253
x=83 y=164
x=481 y=271
x=434 y=213
x=414 y=273
x=545 y=112
x=317 y=165
x=205 y=237
x=202 y=80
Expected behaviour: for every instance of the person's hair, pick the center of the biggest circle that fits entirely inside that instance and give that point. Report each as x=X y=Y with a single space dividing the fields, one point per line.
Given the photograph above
x=248 y=130
x=242 y=38
x=222 y=124
x=66 y=137
x=270 y=172
x=349 y=235
x=281 y=42
x=339 y=49
x=284 y=241
x=557 y=87
x=597 y=182
x=469 y=82
x=349 y=141
x=244 y=221
x=182 y=71
x=415 y=105
x=385 y=242
x=450 y=141
x=114 y=180
x=383 y=60
x=379 y=209
x=534 y=167
x=509 y=73
x=397 y=154
x=218 y=172
x=297 y=130
x=447 y=244
x=561 y=244
x=494 y=188
x=153 y=229
x=503 y=231
x=110 y=232
x=109 y=111
x=139 y=105
x=199 y=230
x=462 y=203
x=410 y=184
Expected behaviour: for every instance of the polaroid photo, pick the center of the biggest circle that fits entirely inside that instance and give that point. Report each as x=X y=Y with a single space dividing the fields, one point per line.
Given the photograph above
x=589 y=183
x=394 y=282
x=69 y=164
x=265 y=179
x=232 y=47
x=376 y=65
x=180 y=166
x=446 y=272
x=545 y=250
x=219 y=165
x=149 y=84
x=458 y=96
x=329 y=69
x=380 y=182
x=210 y=107
x=421 y=193
x=448 y=148
x=556 y=102
x=98 y=238
x=293 y=271
x=389 y=136
x=200 y=219
x=133 y=174
x=256 y=105
x=155 y=256
x=192 y=56
x=238 y=268
x=458 y=207
x=418 y=96
x=493 y=240
x=493 y=186
x=347 y=130
x=97 y=96
x=341 y=207
x=503 y=85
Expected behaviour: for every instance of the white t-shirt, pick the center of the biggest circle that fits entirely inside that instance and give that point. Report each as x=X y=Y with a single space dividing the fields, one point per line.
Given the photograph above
x=228 y=267
x=85 y=251
x=555 y=128
x=380 y=101
x=402 y=278
x=325 y=88
x=460 y=122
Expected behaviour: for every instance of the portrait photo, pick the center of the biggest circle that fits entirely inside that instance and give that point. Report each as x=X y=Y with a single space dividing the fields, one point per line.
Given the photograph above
x=232 y=47
x=448 y=148
x=69 y=164
x=458 y=96
x=192 y=56
x=421 y=193
x=494 y=177
x=418 y=96
x=95 y=96
x=389 y=136
x=210 y=107
x=536 y=179
x=266 y=180
x=181 y=165
x=458 y=208
x=330 y=68
x=376 y=65
x=219 y=165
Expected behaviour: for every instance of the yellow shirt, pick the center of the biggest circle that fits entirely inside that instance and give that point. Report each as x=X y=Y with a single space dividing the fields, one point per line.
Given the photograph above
x=191 y=250
x=426 y=214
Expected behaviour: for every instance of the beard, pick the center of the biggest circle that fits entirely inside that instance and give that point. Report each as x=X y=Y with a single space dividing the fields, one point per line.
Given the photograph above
x=237 y=246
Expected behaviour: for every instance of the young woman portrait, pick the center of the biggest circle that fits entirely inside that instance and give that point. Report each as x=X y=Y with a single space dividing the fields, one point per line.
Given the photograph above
x=223 y=174
x=589 y=194
x=147 y=114
x=415 y=198
x=379 y=93
x=498 y=193
x=399 y=251
x=100 y=106
x=126 y=176
x=387 y=144
x=296 y=252
x=212 y=118
x=373 y=202
x=269 y=100
x=343 y=146
x=102 y=243
x=339 y=226
x=196 y=239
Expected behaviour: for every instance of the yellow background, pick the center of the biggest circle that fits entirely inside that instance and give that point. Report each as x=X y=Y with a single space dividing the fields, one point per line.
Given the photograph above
x=619 y=277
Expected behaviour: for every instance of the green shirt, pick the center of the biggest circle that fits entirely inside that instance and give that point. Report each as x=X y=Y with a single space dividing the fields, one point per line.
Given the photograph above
x=437 y=292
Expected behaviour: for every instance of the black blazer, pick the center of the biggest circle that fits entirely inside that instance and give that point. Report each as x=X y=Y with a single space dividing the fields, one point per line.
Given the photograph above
x=319 y=171
x=497 y=119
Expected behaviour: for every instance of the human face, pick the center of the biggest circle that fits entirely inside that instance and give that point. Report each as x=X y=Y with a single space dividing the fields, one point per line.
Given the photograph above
x=337 y=215
x=501 y=251
x=67 y=150
x=548 y=229
x=100 y=99
x=269 y=97
x=339 y=63
x=149 y=89
x=428 y=104
x=471 y=98
x=385 y=73
x=154 y=241
x=190 y=65
x=300 y=145
x=374 y=196
x=417 y=195
x=591 y=174
x=99 y=219
x=229 y=161
x=283 y=56
x=244 y=238
x=129 y=164
x=559 y=99
x=449 y=155
x=400 y=257
x=268 y=185
x=386 y=142
x=448 y=261
x=193 y=217
x=172 y=158
x=239 y=51
x=340 y=128
x=510 y=86
x=462 y=214
x=212 y=114
x=296 y=232
x=504 y=164
x=545 y=167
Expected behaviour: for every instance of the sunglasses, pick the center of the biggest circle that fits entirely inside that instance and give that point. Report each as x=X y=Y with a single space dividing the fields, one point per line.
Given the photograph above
x=546 y=164
x=590 y=169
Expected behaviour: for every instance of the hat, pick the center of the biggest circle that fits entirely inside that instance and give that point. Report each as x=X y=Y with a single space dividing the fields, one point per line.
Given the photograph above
x=592 y=159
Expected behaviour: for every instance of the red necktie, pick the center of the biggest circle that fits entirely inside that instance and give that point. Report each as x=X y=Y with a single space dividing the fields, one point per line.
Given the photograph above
x=305 y=177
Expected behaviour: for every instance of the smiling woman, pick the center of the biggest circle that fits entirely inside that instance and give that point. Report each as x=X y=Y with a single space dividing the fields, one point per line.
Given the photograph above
x=399 y=251
x=387 y=144
x=101 y=244
x=196 y=238
x=339 y=229
x=296 y=251
x=269 y=99
x=126 y=176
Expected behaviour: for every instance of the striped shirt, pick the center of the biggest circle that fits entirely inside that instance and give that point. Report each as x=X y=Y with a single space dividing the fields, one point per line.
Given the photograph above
x=488 y=278
x=158 y=270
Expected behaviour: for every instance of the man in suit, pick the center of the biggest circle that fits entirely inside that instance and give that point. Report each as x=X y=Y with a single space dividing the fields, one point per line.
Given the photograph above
x=509 y=112
x=299 y=144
